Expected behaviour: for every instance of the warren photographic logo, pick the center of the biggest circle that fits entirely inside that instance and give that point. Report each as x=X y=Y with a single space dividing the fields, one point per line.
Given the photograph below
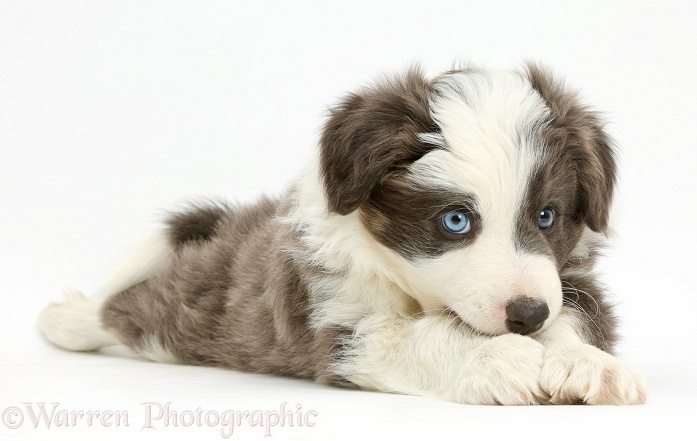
x=157 y=416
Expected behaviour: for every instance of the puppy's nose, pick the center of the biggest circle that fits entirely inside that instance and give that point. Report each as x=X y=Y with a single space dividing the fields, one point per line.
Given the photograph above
x=526 y=315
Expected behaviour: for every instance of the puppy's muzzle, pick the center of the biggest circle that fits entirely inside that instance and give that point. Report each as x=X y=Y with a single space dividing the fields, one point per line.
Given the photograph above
x=526 y=315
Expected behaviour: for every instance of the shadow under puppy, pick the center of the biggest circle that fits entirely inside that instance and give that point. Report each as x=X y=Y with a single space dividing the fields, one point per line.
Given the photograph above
x=441 y=243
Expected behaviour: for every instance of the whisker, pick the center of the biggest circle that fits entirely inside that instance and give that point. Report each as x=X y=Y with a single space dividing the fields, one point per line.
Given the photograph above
x=580 y=309
x=416 y=314
x=577 y=291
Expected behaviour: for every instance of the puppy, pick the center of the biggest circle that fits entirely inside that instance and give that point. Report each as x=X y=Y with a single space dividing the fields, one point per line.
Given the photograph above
x=442 y=243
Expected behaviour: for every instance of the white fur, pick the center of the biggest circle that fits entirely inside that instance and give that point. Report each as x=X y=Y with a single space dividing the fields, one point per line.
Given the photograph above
x=152 y=349
x=140 y=262
x=581 y=371
x=590 y=241
x=488 y=151
x=433 y=356
x=563 y=330
x=365 y=283
x=574 y=370
x=75 y=324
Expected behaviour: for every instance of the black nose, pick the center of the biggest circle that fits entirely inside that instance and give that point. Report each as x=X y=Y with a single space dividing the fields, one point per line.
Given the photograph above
x=526 y=315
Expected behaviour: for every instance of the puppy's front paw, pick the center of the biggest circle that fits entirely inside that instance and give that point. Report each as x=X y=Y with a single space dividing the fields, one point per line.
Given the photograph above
x=582 y=373
x=504 y=370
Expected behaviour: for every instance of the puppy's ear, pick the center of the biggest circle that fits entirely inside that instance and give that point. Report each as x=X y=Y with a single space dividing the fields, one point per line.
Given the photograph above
x=580 y=131
x=597 y=174
x=370 y=134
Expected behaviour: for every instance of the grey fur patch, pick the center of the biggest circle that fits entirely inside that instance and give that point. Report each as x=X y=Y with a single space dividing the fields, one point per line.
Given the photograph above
x=195 y=223
x=236 y=300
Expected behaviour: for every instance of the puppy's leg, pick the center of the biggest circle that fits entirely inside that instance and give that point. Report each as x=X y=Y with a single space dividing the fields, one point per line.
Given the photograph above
x=145 y=318
x=433 y=356
x=577 y=372
x=76 y=324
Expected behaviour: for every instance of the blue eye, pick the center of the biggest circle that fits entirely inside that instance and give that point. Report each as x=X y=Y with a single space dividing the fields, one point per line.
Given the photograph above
x=546 y=218
x=456 y=222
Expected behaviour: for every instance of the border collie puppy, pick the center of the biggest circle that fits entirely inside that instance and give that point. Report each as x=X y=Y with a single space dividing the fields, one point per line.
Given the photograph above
x=441 y=243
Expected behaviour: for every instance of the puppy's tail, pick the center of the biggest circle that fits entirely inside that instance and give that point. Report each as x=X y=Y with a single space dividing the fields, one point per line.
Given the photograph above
x=76 y=324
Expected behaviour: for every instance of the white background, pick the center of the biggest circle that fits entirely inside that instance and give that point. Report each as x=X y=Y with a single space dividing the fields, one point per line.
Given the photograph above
x=113 y=112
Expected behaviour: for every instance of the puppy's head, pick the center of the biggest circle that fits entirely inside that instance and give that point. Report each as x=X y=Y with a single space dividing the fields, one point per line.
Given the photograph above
x=479 y=183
